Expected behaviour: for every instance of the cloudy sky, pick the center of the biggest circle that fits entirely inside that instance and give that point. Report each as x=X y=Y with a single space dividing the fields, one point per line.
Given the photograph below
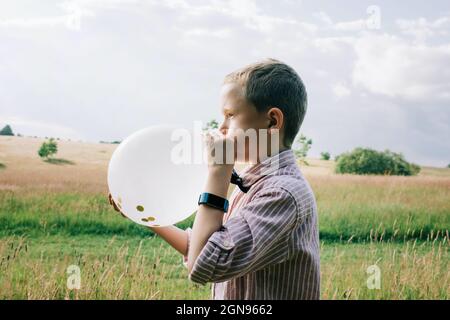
x=377 y=73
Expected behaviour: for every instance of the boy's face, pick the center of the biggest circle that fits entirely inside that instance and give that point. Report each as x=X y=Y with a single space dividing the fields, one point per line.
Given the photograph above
x=238 y=113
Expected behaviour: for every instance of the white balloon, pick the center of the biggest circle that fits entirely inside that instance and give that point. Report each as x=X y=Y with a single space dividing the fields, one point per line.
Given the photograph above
x=147 y=184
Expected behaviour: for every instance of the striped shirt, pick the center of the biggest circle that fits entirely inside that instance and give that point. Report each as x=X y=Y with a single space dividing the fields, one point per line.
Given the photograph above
x=268 y=245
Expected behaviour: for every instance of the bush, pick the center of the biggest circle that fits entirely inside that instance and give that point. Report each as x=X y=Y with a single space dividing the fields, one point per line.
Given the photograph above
x=368 y=161
x=325 y=156
x=210 y=125
x=6 y=131
x=48 y=149
x=301 y=152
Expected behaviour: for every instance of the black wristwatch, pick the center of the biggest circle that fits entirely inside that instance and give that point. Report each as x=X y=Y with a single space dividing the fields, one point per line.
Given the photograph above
x=213 y=201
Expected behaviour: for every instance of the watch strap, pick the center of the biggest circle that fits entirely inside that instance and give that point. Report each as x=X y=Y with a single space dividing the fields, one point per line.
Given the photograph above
x=214 y=201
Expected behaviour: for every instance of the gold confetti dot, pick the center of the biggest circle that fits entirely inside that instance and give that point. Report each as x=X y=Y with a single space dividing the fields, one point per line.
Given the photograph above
x=148 y=219
x=140 y=208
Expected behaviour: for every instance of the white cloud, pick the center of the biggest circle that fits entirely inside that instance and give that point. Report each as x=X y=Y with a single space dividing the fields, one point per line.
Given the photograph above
x=203 y=32
x=333 y=44
x=343 y=26
x=355 y=25
x=321 y=73
x=422 y=29
x=247 y=12
x=394 y=67
x=323 y=17
x=71 y=18
x=340 y=90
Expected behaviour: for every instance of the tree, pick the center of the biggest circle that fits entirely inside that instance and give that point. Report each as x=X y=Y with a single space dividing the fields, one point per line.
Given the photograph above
x=368 y=161
x=213 y=124
x=48 y=149
x=448 y=165
x=325 y=155
x=302 y=150
x=6 y=131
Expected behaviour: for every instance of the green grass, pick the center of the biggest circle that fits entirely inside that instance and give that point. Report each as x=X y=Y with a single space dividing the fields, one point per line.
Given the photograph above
x=76 y=214
x=65 y=214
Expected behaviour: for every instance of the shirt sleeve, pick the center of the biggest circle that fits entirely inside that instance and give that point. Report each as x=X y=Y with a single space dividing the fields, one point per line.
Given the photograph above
x=255 y=237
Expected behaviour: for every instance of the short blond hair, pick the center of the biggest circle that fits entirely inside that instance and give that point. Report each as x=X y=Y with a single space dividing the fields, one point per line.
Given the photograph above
x=272 y=83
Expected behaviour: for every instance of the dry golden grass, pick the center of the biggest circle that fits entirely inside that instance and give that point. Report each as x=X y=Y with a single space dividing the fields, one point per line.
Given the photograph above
x=148 y=269
x=409 y=271
x=111 y=270
x=26 y=172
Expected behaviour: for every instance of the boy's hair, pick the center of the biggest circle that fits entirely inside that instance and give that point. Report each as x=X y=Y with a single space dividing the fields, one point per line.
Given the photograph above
x=272 y=83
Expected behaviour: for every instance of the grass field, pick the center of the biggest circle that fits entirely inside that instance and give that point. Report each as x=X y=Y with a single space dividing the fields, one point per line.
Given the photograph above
x=54 y=215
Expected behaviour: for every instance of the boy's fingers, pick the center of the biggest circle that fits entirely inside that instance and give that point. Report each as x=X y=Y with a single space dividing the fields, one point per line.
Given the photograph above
x=116 y=208
x=111 y=201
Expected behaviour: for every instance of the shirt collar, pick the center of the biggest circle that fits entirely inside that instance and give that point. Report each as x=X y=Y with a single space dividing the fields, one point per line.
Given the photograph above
x=269 y=166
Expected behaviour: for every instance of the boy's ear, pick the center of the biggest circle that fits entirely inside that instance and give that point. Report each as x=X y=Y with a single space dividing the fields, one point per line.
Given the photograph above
x=276 y=118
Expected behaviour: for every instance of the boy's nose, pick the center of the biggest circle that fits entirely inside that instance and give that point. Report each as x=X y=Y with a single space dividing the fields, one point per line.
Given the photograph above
x=223 y=128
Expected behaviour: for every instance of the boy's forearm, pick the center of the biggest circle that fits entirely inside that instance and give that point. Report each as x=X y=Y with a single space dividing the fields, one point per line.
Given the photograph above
x=208 y=220
x=176 y=237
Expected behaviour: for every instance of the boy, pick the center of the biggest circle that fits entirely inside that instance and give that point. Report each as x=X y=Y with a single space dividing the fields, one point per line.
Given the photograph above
x=267 y=245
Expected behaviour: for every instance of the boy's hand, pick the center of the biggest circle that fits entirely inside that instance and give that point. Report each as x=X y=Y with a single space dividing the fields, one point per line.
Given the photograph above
x=220 y=151
x=111 y=202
